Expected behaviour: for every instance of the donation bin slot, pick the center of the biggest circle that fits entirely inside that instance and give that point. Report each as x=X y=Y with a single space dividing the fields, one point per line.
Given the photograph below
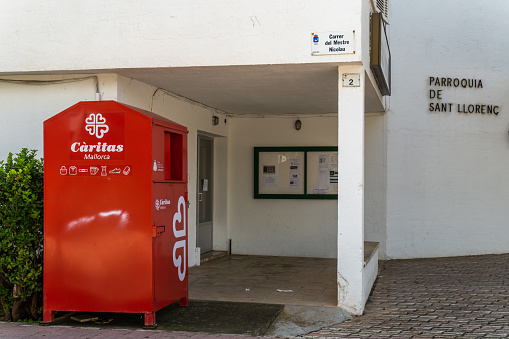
x=115 y=186
x=173 y=157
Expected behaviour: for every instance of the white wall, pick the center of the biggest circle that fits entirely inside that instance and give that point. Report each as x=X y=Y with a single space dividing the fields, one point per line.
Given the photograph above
x=369 y=275
x=97 y=34
x=447 y=186
x=283 y=227
x=24 y=106
x=375 y=180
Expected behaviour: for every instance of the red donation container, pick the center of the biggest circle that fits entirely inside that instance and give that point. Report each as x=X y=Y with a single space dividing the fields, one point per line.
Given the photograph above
x=115 y=211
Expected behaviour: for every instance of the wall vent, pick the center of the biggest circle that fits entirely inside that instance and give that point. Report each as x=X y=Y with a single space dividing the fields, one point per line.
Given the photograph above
x=382 y=6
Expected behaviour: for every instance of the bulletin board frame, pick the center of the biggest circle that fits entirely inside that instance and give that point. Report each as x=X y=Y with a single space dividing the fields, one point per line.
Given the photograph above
x=275 y=175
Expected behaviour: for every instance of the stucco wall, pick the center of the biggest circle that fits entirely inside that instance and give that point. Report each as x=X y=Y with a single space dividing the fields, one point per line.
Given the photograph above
x=25 y=105
x=447 y=171
x=278 y=227
x=111 y=34
x=375 y=179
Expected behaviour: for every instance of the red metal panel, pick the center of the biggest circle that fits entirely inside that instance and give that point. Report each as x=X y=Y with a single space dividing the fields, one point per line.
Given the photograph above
x=170 y=211
x=170 y=247
x=99 y=249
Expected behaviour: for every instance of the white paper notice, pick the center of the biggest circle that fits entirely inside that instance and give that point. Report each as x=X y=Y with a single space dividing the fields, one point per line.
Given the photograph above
x=269 y=178
x=323 y=170
x=294 y=182
x=269 y=181
x=334 y=162
x=333 y=173
x=320 y=190
x=295 y=174
x=323 y=177
x=294 y=165
x=205 y=186
x=323 y=161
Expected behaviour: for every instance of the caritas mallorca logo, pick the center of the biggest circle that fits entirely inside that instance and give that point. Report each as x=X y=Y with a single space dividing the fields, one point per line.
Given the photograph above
x=161 y=204
x=96 y=125
x=97 y=136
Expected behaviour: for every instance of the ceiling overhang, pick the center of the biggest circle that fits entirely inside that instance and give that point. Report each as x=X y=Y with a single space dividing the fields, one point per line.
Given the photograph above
x=299 y=89
x=257 y=89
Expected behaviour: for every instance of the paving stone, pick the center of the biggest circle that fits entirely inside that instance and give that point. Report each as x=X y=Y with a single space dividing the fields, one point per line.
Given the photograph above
x=464 y=297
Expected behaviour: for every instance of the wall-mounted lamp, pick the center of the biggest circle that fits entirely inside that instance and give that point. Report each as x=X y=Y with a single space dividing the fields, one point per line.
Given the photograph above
x=298 y=124
x=215 y=120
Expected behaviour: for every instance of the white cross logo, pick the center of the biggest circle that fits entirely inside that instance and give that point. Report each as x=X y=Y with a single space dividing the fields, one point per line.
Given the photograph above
x=179 y=261
x=96 y=125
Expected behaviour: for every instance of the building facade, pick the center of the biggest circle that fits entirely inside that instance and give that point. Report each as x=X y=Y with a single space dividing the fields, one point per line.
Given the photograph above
x=420 y=171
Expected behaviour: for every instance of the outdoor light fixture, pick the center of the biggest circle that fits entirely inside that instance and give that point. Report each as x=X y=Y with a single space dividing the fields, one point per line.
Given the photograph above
x=215 y=120
x=298 y=124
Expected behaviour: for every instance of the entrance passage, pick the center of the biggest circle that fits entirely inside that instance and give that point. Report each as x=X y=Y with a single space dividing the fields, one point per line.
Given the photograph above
x=205 y=195
x=260 y=279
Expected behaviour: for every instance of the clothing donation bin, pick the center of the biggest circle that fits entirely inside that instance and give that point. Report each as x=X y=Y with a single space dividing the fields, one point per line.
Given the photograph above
x=115 y=211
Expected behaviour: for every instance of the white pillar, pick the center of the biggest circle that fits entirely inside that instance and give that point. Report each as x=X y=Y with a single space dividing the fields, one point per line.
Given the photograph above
x=351 y=191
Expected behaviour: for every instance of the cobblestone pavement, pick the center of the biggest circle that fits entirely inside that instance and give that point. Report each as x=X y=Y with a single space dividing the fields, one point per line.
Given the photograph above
x=34 y=331
x=461 y=297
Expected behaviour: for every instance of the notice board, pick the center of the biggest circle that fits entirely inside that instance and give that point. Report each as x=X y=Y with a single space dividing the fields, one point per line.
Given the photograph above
x=296 y=172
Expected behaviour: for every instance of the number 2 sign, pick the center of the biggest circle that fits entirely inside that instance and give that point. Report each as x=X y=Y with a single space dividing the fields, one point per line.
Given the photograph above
x=351 y=80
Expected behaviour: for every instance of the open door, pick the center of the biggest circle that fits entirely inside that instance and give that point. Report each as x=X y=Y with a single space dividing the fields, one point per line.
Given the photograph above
x=205 y=194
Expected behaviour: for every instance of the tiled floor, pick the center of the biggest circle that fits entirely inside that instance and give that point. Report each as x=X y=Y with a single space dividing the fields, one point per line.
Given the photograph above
x=462 y=297
x=277 y=280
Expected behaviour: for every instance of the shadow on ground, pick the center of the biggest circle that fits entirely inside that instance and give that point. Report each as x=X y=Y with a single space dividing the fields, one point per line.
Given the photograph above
x=219 y=317
x=200 y=316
